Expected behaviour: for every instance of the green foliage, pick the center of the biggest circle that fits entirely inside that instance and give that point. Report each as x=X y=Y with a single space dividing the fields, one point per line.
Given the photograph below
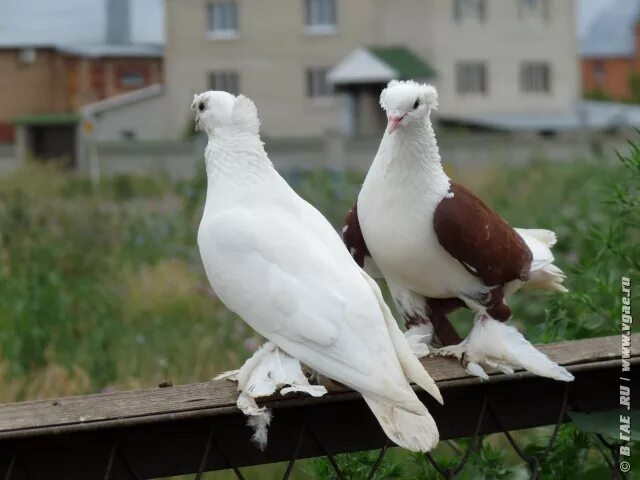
x=634 y=87
x=358 y=466
x=597 y=95
x=108 y=282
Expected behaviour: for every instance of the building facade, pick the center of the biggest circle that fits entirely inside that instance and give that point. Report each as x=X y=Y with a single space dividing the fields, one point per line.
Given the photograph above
x=56 y=57
x=489 y=56
x=610 y=52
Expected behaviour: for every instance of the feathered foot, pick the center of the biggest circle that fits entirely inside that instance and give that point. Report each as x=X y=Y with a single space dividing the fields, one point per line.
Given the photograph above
x=419 y=338
x=494 y=344
x=267 y=371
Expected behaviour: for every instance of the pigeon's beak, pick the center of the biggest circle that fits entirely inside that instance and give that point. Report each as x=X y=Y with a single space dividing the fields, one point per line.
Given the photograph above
x=197 y=124
x=394 y=122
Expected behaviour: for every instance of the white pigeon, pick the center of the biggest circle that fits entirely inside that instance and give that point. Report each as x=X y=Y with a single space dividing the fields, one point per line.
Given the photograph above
x=439 y=247
x=275 y=261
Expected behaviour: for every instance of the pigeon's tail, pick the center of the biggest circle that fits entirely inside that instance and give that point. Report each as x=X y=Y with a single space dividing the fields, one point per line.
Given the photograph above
x=417 y=433
x=544 y=274
x=410 y=364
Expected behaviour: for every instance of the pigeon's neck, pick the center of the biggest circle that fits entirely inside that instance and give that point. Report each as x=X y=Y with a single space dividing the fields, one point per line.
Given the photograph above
x=237 y=165
x=236 y=157
x=409 y=157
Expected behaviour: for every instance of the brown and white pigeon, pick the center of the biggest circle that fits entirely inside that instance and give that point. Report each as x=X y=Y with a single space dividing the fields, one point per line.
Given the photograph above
x=439 y=247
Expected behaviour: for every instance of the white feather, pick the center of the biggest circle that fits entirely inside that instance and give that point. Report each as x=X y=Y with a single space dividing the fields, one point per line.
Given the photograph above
x=277 y=262
x=502 y=344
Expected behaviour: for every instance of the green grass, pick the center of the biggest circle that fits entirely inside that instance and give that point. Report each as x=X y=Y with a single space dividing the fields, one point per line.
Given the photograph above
x=103 y=288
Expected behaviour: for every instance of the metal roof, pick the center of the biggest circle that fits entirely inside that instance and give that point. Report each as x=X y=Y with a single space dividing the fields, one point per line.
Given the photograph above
x=123 y=100
x=611 y=31
x=586 y=114
x=379 y=65
x=97 y=51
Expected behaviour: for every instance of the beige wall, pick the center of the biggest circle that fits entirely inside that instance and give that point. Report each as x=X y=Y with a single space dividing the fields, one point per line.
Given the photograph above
x=504 y=41
x=270 y=54
x=272 y=51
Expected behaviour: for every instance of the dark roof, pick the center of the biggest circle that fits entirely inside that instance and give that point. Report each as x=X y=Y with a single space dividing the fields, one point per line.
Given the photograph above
x=404 y=61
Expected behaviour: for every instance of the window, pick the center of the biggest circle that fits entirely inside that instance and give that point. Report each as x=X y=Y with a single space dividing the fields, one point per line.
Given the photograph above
x=469 y=9
x=599 y=72
x=130 y=79
x=320 y=15
x=223 y=19
x=535 y=77
x=471 y=77
x=533 y=9
x=225 y=81
x=317 y=84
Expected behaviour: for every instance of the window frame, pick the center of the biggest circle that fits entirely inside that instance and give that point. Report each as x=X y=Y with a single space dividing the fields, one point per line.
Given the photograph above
x=525 y=11
x=226 y=78
x=470 y=72
x=317 y=86
x=321 y=27
x=225 y=32
x=535 y=74
x=461 y=15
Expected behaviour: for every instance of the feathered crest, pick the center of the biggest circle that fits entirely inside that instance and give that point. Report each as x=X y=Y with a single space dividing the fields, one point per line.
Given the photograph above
x=245 y=114
x=427 y=93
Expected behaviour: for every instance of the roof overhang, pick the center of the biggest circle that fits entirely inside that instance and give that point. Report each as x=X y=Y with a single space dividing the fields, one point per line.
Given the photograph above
x=374 y=65
x=361 y=66
x=45 y=119
x=123 y=100
x=590 y=115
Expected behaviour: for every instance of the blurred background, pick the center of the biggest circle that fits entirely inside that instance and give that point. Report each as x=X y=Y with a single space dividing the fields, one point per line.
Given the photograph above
x=102 y=174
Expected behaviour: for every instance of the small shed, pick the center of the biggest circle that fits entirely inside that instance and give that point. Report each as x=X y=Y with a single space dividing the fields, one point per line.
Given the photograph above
x=47 y=137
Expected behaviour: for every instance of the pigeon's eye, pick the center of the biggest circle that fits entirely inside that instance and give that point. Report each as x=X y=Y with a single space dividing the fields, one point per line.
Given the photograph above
x=417 y=104
x=201 y=106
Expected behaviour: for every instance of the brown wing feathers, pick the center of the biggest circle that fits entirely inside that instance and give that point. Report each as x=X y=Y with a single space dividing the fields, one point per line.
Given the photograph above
x=486 y=245
x=352 y=237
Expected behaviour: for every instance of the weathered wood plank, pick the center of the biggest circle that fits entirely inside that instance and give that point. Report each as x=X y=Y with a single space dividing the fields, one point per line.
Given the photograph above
x=133 y=407
x=163 y=432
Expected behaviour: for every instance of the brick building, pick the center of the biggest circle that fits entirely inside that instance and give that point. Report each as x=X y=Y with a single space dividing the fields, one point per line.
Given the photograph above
x=44 y=80
x=610 y=51
x=56 y=57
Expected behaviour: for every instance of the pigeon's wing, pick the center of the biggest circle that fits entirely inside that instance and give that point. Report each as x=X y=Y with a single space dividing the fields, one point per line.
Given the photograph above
x=295 y=291
x=486 y=245
x=355 y=243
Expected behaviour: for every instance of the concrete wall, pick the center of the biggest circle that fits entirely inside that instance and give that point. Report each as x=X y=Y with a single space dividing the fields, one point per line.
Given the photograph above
x=272 y=51
x=8 y=159
x=182 y=160
x=146 y=119
x=175 y=159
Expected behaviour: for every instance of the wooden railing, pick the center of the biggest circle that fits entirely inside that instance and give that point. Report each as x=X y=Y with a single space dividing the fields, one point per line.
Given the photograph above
x=194 y=428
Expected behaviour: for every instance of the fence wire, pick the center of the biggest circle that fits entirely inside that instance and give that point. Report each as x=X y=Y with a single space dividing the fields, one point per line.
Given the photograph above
x=609 y=450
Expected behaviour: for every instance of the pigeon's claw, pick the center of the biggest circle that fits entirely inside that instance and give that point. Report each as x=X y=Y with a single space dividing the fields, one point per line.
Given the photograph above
x=458 y=351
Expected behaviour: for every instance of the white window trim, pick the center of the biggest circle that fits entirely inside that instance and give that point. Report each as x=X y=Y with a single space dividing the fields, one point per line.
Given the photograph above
x=223 y=35
x=319 y=30
x=226 y=34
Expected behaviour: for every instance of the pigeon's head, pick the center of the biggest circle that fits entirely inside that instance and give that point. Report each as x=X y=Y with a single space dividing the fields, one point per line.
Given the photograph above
x=407 y=102
x=217 y=110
